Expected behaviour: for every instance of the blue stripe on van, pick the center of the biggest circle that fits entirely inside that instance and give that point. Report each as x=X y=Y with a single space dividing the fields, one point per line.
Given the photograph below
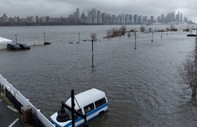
x=88 y=114
x=55 y=123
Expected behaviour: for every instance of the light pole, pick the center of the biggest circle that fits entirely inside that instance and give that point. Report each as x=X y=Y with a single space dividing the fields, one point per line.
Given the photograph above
x=135 y=40
x=92 y=54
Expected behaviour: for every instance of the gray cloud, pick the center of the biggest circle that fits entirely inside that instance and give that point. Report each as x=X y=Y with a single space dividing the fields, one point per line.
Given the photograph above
x=65 y=7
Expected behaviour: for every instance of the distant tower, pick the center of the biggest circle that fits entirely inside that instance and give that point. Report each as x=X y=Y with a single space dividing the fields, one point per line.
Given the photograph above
x=99 y=17
x=94 y=16
x=181 y=18
x=77 y=13
x=152 y=19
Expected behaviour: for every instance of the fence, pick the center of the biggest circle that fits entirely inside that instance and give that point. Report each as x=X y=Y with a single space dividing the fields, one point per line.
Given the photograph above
x=18 y=100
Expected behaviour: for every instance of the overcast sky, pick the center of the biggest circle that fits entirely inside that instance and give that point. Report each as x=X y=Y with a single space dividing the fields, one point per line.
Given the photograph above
x=56 y=8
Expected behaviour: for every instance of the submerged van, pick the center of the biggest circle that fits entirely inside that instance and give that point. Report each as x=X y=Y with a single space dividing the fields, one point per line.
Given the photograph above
x=91 y=102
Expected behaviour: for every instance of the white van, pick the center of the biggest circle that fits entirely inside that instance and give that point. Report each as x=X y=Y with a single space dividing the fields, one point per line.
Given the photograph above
x=91 y=102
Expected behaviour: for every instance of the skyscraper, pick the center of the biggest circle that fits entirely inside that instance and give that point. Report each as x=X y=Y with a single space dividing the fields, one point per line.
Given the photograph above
x=77 y=14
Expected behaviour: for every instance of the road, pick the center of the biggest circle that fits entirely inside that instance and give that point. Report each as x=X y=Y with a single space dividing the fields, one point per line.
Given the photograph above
x=8 y=117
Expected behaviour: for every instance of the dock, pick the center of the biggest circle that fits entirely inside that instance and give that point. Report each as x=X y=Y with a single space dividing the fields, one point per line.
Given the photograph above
x=35 y=43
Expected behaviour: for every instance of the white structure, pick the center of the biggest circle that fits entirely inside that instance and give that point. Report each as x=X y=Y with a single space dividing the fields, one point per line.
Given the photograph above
x=91 y=102
x=4 y=42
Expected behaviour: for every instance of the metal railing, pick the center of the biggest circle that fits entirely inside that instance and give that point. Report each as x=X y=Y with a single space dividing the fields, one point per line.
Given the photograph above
x=18 y=100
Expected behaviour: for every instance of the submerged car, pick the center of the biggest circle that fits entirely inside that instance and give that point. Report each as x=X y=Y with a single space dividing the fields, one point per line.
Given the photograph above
x=13 y=47
x=24 y=46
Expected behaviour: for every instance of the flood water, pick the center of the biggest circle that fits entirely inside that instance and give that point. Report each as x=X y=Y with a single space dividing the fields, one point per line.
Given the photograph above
x=143 y=86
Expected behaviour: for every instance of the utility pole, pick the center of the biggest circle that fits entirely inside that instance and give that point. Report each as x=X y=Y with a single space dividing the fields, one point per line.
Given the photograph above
x=92 y=54
x=135 y=40
x=73 y=107
x=78 y=37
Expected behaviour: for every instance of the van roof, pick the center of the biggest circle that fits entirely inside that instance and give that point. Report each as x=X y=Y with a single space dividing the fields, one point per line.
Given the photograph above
x=87 y=97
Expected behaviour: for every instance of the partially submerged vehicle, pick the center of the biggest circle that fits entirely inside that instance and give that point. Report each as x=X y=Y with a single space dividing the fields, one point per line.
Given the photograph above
x=13 y=47
x=191 y=35
x=17 y=46
x=91 y=103
x=24 y=46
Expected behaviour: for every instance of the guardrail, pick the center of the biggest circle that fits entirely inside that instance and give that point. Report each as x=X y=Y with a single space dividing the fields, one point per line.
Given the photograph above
x=18 y=100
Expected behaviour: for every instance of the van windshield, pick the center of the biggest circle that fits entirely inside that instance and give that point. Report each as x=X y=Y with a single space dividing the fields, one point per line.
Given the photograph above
x=68 y=112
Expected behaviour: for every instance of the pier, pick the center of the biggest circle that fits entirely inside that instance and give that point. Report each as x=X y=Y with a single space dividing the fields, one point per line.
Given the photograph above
x=35 y=43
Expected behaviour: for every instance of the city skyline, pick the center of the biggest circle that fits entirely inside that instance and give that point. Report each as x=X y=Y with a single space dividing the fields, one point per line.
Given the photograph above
x=52 y=8
x=95 y=16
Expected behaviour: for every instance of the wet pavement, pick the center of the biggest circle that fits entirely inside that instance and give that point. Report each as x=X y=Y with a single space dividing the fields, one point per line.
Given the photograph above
x=8 y=117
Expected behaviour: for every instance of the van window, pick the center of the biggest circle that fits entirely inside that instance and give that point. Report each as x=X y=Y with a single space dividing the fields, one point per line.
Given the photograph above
x=100 y=102
x=76 y=116
x=89 y=108
x=80 y=111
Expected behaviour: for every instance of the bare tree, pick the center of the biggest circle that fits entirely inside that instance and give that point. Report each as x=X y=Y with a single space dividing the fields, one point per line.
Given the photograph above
x=142 y=28
x=93 y=36
x=123 y=29
x=189 y=75
x=114 y=30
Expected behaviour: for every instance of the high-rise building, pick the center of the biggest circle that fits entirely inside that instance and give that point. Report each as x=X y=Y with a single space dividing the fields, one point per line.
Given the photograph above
x=114 y=21
x=181 y=17
x=77 y=14
x=94 y=16
x=99 y=17
x=122 y=18
x=130 y=19
x=135 y=18
x=144 y=19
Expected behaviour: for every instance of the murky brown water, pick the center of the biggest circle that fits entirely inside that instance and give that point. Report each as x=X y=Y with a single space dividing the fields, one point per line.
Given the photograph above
x=143 y=86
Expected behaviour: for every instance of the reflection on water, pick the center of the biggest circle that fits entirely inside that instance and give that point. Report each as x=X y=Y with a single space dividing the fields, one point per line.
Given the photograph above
x=143 y=85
